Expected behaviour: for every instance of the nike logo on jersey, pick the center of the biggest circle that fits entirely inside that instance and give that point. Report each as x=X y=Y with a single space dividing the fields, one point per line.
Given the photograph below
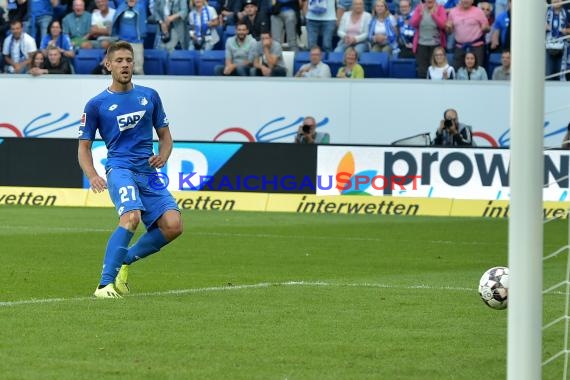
x=129 y=120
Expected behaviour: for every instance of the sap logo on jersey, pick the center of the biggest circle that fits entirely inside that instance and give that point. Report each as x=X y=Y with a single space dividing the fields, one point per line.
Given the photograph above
x=129 y=120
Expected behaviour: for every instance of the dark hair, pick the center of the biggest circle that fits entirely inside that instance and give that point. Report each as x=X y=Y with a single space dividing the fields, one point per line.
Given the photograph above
x=241 y=22
x=447 y=110
x=14 y=22
x=119 y=45
x=51 y=24
x=474 y=56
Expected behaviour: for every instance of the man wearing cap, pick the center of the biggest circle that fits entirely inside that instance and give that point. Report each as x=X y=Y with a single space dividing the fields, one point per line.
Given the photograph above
x=257 y=22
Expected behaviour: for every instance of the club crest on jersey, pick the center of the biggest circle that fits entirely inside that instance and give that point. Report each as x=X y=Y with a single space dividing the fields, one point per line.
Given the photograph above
x=129 y=120
x=143 y=101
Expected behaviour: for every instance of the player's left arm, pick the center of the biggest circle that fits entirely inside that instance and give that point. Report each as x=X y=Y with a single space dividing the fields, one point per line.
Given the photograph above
x=164 y=148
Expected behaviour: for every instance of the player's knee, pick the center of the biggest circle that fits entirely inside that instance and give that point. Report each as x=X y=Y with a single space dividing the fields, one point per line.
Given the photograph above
x=172 y=228
x=131 y=220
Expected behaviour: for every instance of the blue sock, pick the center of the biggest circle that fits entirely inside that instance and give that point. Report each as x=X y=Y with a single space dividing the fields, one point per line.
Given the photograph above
x=115 y=254
x=149 y=243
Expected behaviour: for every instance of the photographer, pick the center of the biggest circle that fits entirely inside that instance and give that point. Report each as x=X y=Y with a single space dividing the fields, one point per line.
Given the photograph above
x=451 y=132
x=307 y=133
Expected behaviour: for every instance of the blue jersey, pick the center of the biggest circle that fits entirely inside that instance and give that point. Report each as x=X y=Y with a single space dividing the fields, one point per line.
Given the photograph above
x=125 y=121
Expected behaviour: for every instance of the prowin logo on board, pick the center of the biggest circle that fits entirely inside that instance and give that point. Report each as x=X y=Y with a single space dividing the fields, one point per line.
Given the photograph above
x=129 y=120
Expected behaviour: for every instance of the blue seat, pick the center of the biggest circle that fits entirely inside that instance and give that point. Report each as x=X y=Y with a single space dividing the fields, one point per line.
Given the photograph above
x=375 y=64
x=209 y=59
x=494 y=61
x=87 y=59
x=302 y=57
x=220 y=45
x=230 y=31
x=155 y=61
x=403 y=68
x=150 y=38
x=182 y=62
x=335 y=60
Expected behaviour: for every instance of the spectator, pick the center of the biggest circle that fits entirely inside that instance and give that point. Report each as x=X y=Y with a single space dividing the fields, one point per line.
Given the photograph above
x=429 y=19
x=40 y=14
x=321 y=21
x=256 y=21
x=503 y=72
x=16 y=10
x=469 y=25
x=238 y=51
x=471 y=70
x=487 y=9
x=501 y=35
x=101 y=24
x=17 y=49
x=286 y=16
x=406 y=31
x=316 y=68
x=203 y=20
x=556 y=28
x=77 y=25
x=57 y=39
x=382 y=32
x=451 y=132
x=440 y=68
x=232 y=12
x=36 y=62
x=55 y=64
x=129 y=24
x=267 y=58
x=353 y=28
x=171 y=16
x=307 y=133
x=351 y=68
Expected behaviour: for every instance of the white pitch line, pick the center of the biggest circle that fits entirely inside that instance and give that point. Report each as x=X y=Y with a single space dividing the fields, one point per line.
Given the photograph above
x=241 y=287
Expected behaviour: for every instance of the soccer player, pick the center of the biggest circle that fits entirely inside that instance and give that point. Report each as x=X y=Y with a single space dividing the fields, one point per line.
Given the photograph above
x=125 y=116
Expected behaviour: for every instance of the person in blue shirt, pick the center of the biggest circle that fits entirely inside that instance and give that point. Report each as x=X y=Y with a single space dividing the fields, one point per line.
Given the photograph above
x=125 y=116
x=129 y=24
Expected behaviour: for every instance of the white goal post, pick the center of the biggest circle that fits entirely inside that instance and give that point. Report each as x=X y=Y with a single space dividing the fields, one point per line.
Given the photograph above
x=524 y=344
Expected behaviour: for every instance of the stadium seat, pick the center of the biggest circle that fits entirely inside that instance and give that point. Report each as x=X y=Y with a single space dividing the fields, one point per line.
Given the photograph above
x=403 y=68
x=335 y=60
x=87 y=59
x=302 y=57
x=182 y=62
x=230 y=31
x=155 y=61
x=151 y=31
x=288 y=58
x=494 y=61
x=375 y=65
x=207 y=60
x=220 y=45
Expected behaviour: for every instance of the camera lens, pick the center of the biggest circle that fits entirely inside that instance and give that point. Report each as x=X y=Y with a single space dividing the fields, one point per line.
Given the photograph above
x=447 y=123
x=306 y=128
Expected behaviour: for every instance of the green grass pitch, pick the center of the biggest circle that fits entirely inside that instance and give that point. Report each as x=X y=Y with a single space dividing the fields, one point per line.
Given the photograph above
x=261 y=296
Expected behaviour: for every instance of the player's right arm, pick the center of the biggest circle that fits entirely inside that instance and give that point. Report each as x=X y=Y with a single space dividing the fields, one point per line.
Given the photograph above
x=85 y=157
x=87 y=128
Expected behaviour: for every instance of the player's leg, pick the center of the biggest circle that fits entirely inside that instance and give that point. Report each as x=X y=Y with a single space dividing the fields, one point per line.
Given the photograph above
x=164 y=224
x=125 y=196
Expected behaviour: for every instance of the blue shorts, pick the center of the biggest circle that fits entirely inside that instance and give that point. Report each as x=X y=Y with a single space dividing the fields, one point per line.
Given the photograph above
x=131 y=191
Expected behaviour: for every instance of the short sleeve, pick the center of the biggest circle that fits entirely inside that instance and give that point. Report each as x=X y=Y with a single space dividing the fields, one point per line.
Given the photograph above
x=159 y=119
x=89 y=122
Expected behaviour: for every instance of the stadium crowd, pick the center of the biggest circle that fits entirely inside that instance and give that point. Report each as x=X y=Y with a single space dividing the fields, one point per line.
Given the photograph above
x=445 y=39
